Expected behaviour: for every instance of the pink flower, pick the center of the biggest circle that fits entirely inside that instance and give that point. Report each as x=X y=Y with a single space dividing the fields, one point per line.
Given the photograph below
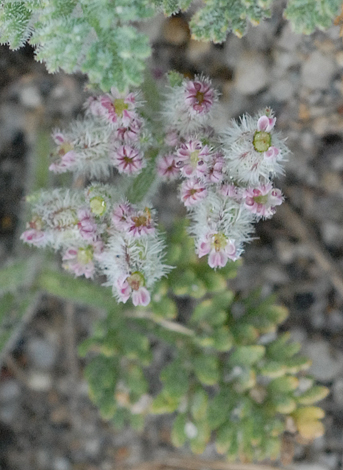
x=265 y=123
x=230 y=190
x=35 y=234
x=65 y=152
x=130 y=133
x=192 y=158
x=66 y=163
x=272 y=153
x=215 y=172
x=219 y=249
x=166 y=167
x=34 y=237
x=87 y=225
x=133 y=285
x=123 y=288
x=94 y=105
x=79 y=261
x=172 y=138
x=120 y=109
x=262 y=200
x=199 y=96
x=141 y=223
x=192 y=192
x=121 y=216
x=128 y=160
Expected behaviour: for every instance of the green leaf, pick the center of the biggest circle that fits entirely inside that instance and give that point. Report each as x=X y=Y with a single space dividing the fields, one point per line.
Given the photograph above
x=313 y=395
x=244 y=334
x=283 y=384
x=214 y=282
x=135 y=380
x=273 y=369
x=282 y=348
x=245 y=381
x=206 y=369
x=78 y=290
x=199 y=442
x=165 y=308
x=18 y=275
x=285 y=405
x=246 y=355
x=222 y=339
x=175 y=379
x=199 y=404
x=13 y=310
x=220 y=407
x=142 y=184
x=225 y=436
x=178 y=434
x=163 y=403
x=297 y=364
x=208 y=312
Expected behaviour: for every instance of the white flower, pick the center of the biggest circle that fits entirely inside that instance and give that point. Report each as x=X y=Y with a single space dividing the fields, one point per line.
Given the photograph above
x=253 y=151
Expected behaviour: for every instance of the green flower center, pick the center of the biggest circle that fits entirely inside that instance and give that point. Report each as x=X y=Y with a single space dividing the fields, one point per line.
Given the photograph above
x=64 y=148
x=262 y=141
x=136 y=280
x=194 y=157
x=219 y=241
x=199 y=97
x=85 y=255
x=36 y=223
x=120 y=106
x=261 y=199
x=97 y=205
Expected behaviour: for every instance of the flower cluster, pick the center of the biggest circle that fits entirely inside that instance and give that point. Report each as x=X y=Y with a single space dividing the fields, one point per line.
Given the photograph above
x=113 y=134
x=100 y=233
x=226 y=186
x=226 y=176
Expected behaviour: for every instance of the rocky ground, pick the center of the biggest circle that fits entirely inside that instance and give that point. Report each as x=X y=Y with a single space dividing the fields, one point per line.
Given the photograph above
x=46 y=418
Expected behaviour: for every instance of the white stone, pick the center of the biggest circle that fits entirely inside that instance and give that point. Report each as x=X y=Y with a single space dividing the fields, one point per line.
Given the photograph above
x=327 y=363
x=42 y=353
x=233 y=50
x=191 y=430
x=61 y=463
x=288 y=39
x=332 y=233
x=330 y=460
x=39 y=381
x=30 y=97
x=282 y=61
x=317 y=71
x=9 y=390
x=337 y=391
x=282 y=90
x=252 y=73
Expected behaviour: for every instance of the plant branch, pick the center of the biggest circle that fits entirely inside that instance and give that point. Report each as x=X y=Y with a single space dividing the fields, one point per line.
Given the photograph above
x=290 y=219
x=169 y=325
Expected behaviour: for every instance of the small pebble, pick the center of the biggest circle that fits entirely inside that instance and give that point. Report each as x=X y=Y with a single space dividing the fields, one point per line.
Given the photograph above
x=252 y=73
x=42 y=353
x=9 y=391
x=317 y=71
x=39 y=381
x=327 y=363
x=337 y=391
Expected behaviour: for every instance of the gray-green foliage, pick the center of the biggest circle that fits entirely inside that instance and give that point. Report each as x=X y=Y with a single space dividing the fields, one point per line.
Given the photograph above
x=98 y=37
x=230 y=378
x=306 y=15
